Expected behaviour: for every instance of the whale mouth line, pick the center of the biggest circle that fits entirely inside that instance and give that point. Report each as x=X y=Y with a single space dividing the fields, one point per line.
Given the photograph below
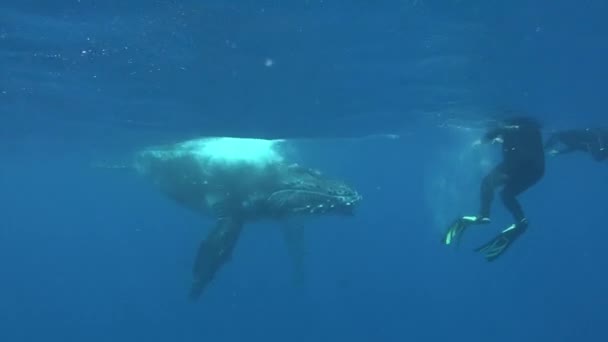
x=311 y=202
x=304 y=191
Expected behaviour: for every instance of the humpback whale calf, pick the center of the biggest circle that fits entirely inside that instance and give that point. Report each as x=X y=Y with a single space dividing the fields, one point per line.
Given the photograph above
x=236 y=181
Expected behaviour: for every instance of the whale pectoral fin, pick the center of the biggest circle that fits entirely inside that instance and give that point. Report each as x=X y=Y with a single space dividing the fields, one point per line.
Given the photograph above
x=213 y=253
x=293 y=235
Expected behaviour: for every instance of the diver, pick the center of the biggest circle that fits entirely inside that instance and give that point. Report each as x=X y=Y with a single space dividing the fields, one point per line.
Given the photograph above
x=523 y=166
x=591 y=140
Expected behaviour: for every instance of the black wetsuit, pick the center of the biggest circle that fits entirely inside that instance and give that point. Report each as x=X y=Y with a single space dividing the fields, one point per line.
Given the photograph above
x=523 y=165
x=593 y=141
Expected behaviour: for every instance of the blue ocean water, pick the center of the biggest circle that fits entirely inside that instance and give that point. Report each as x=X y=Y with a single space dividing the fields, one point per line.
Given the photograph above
x=98 y=254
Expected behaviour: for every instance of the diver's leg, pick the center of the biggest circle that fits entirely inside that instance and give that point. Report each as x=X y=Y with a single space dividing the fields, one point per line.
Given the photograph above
x=517 y=184
x=514 y=186
x=497 y=177
x=510 y=201
x=499 y=244
x=490 y=182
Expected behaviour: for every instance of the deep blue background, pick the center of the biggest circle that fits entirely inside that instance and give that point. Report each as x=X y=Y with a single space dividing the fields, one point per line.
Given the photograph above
x=98 y=255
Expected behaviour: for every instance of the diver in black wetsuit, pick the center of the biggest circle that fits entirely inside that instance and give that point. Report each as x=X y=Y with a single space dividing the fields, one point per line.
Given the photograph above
x=591 y=140
x=523 y=166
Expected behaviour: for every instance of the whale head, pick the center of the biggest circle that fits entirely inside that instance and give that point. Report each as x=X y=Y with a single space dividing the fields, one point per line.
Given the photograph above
x=307 y=192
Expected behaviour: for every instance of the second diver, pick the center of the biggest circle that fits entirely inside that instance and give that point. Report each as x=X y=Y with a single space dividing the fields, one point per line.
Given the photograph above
x=591 y=140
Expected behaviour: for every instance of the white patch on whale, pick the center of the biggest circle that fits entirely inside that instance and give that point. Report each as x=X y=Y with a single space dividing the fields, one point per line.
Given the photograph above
x=226 y=152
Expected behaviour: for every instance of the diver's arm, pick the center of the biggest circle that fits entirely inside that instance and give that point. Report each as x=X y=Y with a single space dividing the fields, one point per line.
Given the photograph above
x=491 y=136
x=552 y=141
x=495 y=135
x=557 y=151
x=603 y=148
x=600 y=156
